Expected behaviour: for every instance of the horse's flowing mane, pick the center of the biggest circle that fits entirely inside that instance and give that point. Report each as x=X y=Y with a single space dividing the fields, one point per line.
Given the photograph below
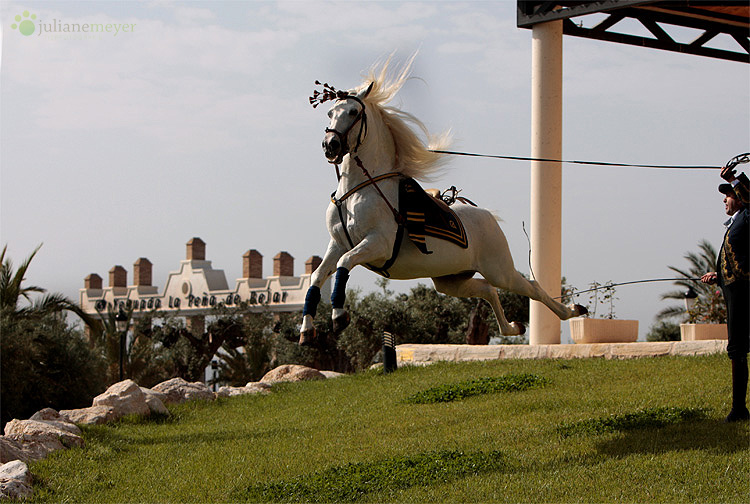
x=414 y=157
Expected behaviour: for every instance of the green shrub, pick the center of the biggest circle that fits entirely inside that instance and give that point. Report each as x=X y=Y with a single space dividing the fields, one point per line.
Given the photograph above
x=351 y=482
x=487 y=385
x=644 y=419
x=46 y=363
x=664 y=331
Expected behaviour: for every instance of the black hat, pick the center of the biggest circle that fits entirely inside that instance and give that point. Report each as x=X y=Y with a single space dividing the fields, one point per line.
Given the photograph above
x=727 y=189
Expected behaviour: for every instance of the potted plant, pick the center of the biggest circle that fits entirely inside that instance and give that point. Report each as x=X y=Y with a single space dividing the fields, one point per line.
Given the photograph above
x=706 y=319
x=606 y=329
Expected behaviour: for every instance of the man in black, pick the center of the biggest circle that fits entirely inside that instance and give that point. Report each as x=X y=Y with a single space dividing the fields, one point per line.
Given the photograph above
x=733 y=276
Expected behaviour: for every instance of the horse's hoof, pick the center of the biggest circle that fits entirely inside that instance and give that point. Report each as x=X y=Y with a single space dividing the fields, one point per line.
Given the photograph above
x=307 y=337
x=340 y=323
x=579 y=310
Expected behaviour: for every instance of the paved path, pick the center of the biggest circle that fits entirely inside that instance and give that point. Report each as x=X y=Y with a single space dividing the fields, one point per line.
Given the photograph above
x=427 y=354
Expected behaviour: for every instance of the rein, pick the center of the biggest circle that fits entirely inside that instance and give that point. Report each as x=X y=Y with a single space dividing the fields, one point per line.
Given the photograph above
x=364 y=184
x=400 y=220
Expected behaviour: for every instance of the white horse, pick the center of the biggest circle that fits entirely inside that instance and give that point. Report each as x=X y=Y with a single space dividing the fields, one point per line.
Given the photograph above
x=376 y=147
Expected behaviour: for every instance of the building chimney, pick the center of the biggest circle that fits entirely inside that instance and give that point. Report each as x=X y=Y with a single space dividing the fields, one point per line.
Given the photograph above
x=118 y=277
x=196 y=250
x=93 y=281
x=142 y=272
x=283 y=264
x=312 y=264
x=252 y=264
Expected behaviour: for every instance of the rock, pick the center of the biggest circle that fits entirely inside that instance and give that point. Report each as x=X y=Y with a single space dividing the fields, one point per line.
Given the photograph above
x=125 y=397
x=93 y=415
x=332 y=374
x=52 y=417
x=258 y=387
x=47 y=414
x=11 y=450
x=155 y=401
x=15 y=480
x=26 y=450
x=250 y=388
x=17 y=470
x=292 y=373
x=38 y=438
x=14 y=489
x=177 y=390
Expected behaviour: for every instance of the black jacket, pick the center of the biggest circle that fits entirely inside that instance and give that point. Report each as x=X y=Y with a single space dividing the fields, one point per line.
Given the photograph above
x=733 y=256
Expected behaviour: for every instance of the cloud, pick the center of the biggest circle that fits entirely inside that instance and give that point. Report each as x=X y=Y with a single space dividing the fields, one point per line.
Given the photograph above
x=192 y=16
x=161 y=79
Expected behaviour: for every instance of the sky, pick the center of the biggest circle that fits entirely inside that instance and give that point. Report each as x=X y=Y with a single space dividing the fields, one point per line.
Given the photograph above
x=191 y=119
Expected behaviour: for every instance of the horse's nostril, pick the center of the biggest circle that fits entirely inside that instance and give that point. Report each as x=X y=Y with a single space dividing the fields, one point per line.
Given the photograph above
x=332 y=146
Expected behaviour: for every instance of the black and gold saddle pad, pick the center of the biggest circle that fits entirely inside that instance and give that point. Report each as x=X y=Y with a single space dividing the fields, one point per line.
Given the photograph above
x=428 y=216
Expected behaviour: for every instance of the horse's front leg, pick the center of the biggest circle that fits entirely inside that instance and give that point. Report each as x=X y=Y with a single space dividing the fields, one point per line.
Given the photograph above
x=318 y=277
x=374 y=249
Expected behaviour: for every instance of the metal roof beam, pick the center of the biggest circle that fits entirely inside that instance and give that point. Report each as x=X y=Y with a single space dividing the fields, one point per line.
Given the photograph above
x=570 y=28
x=652 y=15
x=532 y=12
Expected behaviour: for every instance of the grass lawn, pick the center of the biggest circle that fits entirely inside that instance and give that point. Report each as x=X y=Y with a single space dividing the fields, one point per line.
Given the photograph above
x=590 y=430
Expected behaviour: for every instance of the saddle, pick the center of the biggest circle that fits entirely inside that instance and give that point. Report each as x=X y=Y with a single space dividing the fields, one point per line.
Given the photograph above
x=428 y=215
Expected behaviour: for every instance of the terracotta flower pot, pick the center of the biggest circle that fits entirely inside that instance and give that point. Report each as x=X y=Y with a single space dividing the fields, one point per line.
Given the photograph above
x=590 y=330
x=696 y=332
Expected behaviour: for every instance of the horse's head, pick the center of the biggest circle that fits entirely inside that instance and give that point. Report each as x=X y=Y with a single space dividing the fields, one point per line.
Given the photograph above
x=347 y=114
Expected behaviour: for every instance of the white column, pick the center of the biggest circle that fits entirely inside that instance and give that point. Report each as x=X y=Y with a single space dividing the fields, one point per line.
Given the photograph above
x=546 y=178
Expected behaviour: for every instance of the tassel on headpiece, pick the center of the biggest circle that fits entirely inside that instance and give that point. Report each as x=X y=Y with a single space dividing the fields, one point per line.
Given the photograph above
x=328 y=93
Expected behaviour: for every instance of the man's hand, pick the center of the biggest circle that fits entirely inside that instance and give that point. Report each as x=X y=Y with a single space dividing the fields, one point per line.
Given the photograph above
x=728 y=173
x=709 y=278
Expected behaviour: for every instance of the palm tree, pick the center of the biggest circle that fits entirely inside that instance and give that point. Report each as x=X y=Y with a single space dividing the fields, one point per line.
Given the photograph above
x=699 y=263
x=13 y=292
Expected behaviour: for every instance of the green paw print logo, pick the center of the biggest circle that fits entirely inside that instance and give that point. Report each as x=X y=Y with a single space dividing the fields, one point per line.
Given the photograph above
x=24 y=23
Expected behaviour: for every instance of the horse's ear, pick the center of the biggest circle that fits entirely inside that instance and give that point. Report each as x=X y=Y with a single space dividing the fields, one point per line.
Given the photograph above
x=363 y=94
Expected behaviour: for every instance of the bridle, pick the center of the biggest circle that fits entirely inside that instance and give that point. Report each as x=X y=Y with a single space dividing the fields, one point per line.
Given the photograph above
x=343 y=136
x=331 y=93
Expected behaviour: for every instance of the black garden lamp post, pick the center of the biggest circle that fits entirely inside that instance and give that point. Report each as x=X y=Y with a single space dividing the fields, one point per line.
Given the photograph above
x=690 y=298
x=121 y=321
x=214 y=369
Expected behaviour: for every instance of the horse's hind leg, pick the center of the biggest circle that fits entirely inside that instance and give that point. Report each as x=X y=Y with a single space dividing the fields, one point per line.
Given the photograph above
x=516 y=282
x=496 y=265
x=466 y=286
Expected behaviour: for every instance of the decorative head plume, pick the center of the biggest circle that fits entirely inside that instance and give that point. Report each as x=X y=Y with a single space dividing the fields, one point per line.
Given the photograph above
x=328 y=93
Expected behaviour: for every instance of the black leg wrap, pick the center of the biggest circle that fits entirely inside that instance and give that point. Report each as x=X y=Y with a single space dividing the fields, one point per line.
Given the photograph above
x=312 y=298
x=338 y=296
x=389 y=353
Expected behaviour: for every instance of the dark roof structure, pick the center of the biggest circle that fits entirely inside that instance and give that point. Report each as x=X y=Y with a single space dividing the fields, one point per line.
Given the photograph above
x=716 y=29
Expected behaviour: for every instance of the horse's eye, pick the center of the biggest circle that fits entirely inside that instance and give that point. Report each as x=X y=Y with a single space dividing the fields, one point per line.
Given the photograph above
x=330 y=114
x=353 y=112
